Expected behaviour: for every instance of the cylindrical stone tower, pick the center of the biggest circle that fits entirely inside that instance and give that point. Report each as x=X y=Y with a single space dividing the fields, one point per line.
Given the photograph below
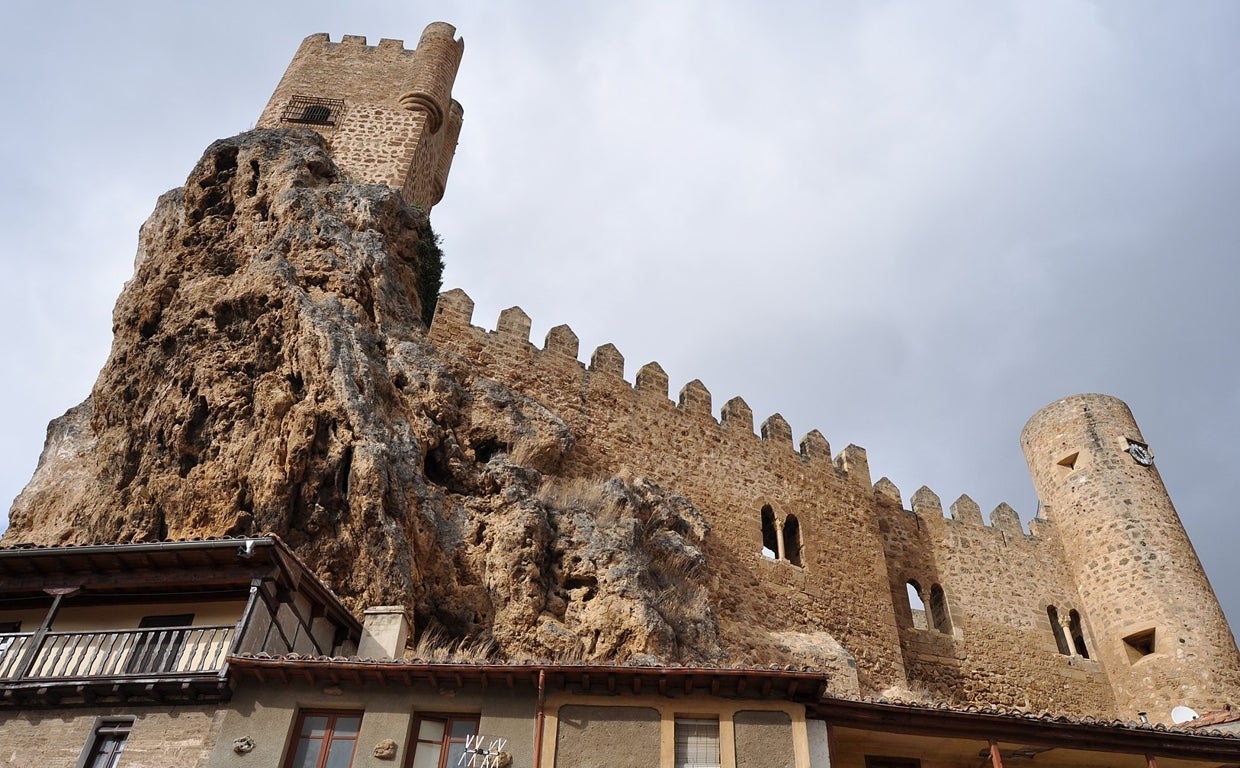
x=1156 y=625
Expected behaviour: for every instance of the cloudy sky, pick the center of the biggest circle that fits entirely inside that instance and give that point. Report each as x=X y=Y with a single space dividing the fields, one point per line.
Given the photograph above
x=909 y=225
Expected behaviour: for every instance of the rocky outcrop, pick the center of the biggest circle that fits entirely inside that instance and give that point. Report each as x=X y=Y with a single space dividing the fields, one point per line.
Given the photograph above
x=269 y=373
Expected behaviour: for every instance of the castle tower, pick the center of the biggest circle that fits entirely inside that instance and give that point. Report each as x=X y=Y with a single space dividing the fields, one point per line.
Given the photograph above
x=387 y=113
x=1156 y=626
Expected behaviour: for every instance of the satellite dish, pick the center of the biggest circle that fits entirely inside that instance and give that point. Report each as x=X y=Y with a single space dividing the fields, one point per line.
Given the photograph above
x=1182 y=714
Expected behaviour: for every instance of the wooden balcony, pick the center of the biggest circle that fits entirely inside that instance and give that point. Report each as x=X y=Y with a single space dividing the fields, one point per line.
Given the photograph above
x=115 y=624
x=175 y=651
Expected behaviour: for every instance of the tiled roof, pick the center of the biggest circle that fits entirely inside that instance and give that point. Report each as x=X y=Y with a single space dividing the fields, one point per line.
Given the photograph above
x=1218 y=717
x=1050 y=717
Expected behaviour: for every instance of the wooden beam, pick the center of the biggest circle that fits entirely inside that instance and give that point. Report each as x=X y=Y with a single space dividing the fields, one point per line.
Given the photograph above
x=169 y=579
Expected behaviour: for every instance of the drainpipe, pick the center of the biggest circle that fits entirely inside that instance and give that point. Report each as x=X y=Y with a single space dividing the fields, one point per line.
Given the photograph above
x=538 y=721
x=996 y=759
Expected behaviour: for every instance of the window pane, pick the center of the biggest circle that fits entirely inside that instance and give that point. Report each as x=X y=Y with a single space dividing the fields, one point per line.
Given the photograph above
x=340 y=754
x=455 y=751
x=426 y=755
x=107 y=751
x=431 y=730
x=463 y=728
x=697 y=743
x=314 y=726
x=307 y=754
x=347 y=726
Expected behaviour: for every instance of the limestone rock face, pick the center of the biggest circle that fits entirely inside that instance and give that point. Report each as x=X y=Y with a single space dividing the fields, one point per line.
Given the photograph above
x=269 y=373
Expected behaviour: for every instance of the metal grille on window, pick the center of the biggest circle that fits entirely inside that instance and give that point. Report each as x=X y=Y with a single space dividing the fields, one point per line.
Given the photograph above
x=697 y=743
x=312 y=110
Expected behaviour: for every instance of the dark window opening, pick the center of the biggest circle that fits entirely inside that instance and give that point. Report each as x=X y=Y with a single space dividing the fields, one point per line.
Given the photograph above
x=938 y=610
x=1061 y=640
x=1078 y=634
x=1139 y=644
x=160 y=649
x=770 y=537
x=9 y=628
x=878 y=761
x=312 y=110
x=107 y=743
x=792 y=540
x=316 y=113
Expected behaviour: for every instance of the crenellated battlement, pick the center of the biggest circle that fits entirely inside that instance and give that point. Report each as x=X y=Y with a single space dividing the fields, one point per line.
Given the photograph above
x=926 y=505
x=557 y=359
x=353 y=44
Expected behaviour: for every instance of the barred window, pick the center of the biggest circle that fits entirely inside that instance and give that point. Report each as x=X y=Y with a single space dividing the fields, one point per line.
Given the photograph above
x=313 y=110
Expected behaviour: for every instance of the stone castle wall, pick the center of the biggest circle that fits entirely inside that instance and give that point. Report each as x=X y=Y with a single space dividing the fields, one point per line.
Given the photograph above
x=998 y=644
x=860 y=546
x=725 y=469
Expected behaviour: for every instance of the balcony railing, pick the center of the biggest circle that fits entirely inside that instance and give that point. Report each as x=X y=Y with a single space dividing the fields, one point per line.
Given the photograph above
x=169 y=651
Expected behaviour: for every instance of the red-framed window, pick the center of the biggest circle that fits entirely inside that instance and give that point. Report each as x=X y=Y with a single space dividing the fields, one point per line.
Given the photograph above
x=439 y=740
x=325 y=739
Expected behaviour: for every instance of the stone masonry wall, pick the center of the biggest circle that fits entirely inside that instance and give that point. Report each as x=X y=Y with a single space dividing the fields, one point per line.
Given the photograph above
x=395 y=127
x=998 y=581
x=727 y=471
x=859 y=546
x=160 y=737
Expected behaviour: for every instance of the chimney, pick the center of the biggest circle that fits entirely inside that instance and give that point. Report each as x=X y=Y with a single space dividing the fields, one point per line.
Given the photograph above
x=385 y=628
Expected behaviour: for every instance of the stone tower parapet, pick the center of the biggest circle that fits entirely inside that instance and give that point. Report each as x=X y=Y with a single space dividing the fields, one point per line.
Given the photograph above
x=386 y=112
x=1157 y=625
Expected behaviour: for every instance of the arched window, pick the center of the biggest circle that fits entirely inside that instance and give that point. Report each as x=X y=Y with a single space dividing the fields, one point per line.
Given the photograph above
x=770 y=536
x=915 y=606
x=792 y=539
x=938 y=610
x=1061 y=641
x=1078 y=635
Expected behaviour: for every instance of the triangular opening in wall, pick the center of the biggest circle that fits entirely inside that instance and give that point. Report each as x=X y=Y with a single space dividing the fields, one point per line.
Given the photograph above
x=1139 y=644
